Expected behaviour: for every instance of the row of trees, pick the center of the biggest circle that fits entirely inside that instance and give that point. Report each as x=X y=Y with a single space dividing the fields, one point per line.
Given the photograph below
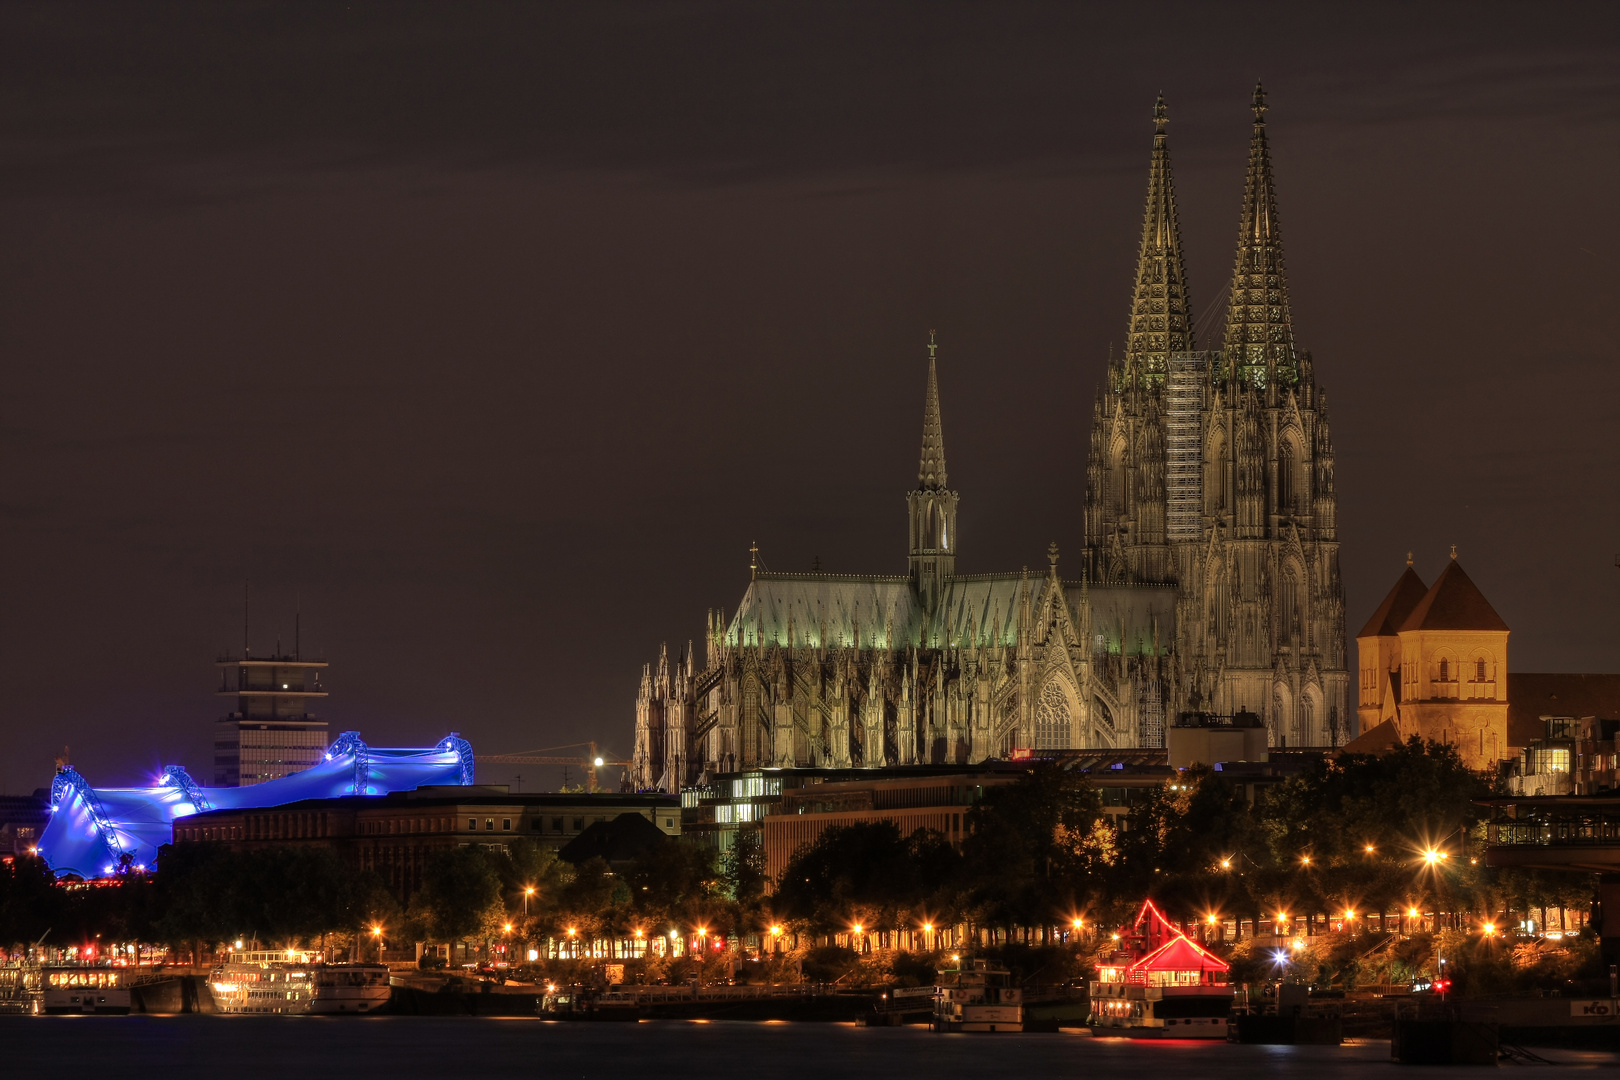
x=1355 y=835
x=1349 y=835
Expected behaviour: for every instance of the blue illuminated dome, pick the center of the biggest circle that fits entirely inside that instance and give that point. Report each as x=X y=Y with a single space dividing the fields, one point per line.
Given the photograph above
x=94 y=832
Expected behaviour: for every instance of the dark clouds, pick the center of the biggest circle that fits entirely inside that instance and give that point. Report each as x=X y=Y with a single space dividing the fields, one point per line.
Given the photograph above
x=496 y=333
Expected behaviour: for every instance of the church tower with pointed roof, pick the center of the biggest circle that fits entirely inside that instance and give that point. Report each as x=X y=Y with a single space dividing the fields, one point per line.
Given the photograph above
x=932 y=557
x=1436 y=658
x=1214 y=471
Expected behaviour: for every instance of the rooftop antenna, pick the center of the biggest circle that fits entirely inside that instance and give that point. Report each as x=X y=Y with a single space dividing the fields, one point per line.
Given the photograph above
x=244 y=618
x=298 y=613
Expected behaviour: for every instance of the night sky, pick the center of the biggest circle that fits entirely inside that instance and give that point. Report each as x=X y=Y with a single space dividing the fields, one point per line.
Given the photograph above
x=492 y=335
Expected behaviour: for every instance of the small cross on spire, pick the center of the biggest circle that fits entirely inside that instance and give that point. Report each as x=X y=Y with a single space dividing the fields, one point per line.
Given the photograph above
x=931 y=345
x=1408 y=558
x=1453 y=551
x=1161 y=115
x=1259 y=103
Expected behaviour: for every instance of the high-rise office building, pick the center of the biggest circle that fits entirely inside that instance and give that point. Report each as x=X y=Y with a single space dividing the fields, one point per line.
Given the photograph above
x=272 y=732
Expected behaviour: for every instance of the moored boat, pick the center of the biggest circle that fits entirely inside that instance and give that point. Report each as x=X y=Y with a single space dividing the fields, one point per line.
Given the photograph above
x=72 y=989
x=1161 y=984
x=978 y=997
x=350 y=989
x=264 y=983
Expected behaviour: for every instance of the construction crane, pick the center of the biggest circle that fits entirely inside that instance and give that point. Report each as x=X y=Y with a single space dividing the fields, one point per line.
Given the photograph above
x=593 y=760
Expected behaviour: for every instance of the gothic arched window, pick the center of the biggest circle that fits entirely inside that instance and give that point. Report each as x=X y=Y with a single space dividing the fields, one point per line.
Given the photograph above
x=1445 y=671
x=1285 y=480
x=1479 y=670
x=1290 y=604
x=1052 y=719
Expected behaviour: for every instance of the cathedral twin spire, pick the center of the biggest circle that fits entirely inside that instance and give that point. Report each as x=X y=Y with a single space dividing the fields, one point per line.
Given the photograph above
x=1160 y=322
x=1259 y=330
x=1259 y=343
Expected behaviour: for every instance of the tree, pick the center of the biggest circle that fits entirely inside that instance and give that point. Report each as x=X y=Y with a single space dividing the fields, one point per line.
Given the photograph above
x=30 y=903
x=1035 y=847
x=459 y=887
x=742 y=869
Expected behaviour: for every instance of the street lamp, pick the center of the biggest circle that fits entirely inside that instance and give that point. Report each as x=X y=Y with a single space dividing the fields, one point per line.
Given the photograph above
x=1305 y=860
x=528 y=891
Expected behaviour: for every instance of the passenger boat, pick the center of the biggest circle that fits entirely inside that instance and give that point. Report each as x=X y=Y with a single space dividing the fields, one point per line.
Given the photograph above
x=350 y=989
x=264 y=983
x=71 y=989
x=1161 y=984
x=978 y=997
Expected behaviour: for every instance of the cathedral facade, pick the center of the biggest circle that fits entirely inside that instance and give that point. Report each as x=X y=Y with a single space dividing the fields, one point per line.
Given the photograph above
x=1208 y=581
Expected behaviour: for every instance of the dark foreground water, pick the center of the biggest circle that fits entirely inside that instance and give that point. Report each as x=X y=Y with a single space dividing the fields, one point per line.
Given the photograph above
x=307 y=1048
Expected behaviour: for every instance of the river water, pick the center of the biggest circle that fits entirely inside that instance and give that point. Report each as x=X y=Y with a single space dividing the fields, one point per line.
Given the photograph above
x=313 y=1048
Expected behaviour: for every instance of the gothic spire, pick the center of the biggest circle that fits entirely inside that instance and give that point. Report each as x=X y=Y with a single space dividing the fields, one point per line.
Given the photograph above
x=931 y=473
x=1160 y=324
x=1259 y=328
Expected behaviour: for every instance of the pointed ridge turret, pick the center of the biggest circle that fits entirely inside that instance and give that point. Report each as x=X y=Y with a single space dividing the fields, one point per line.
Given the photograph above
x=931 y=471
x=1259 y=348
x=1160 y=323
x=932 y=505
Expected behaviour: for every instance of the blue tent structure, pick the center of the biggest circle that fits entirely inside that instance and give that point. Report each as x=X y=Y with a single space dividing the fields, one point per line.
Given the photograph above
x=99 y=832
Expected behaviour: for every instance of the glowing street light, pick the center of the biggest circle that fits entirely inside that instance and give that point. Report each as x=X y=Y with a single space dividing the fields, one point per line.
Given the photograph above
x=856 y=928
x=776 y=931
x=528 y=891
x=507 y=929
x=1412 y=913
x=1349 y=914
x=1490 y=929
x=1305 y=860
x=598 y=763
x=1369 y=849
x=1226 y=864
x=1079 y=923
x=1209 y=919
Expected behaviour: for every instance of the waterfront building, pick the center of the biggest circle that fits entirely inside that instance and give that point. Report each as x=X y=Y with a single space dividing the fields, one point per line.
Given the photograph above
x=271 y=733
x=1434 y=664
x=397 y=833
x=97 y=832
x=1208 y=580
x=1441 y=671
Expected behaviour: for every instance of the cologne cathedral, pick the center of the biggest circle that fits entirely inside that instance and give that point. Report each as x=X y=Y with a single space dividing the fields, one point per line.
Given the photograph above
x=1209 y=580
